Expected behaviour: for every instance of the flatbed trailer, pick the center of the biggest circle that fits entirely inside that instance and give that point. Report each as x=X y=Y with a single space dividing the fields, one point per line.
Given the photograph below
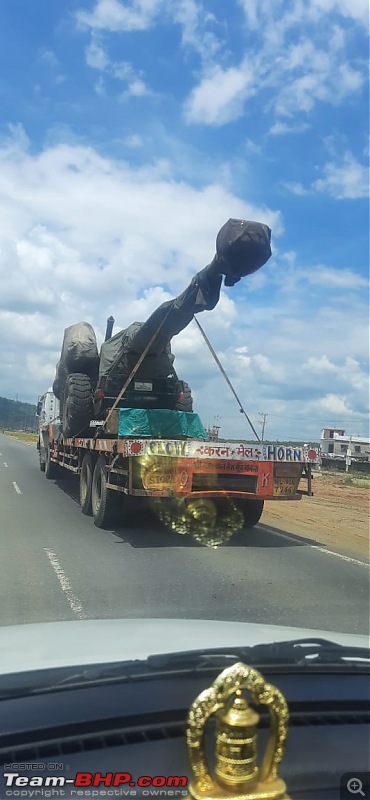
x=112 y=469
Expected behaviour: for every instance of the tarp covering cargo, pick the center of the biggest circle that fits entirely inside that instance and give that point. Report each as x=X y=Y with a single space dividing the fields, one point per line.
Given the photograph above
x=202 y=293
x=242 y=248
x=119 y=351
x=160 y=423
x=79 y=354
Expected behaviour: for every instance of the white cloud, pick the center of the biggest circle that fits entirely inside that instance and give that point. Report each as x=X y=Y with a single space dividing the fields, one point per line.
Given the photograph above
x=348 y=371
x=49 y=57
x=137 y=88
x=296 y=187
x=319 y=364
x=112 y=15
x=284 y=16
x=357 y=10
x=316 y=75
x=273 y=371
x=336 y=278
x=99 y=85
x=193 y=19
x=280 y=128
x=220 y=96
x=97 y=58
x=95 y=55
x=253 y=148
x=141 y=15
x=335 y=404
x=295 y=57
x=346 y=180
x=134 y=140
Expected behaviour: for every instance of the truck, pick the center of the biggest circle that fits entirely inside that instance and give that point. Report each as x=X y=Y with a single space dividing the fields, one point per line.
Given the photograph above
x=123 y=422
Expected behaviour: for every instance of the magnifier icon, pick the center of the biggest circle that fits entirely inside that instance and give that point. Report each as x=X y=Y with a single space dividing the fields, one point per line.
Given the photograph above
x=354 y=785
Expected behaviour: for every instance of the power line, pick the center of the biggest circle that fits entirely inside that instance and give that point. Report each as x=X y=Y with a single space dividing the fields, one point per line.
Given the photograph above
x=345 y=420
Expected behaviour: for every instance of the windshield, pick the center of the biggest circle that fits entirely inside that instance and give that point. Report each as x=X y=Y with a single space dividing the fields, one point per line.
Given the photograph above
x=184 y=327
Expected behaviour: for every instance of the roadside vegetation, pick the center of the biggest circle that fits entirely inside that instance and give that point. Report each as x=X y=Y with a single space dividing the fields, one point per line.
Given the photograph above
x=23 y=436
x=359 y=480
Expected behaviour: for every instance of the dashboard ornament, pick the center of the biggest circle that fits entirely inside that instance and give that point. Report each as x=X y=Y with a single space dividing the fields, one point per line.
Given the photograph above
x=237 y=775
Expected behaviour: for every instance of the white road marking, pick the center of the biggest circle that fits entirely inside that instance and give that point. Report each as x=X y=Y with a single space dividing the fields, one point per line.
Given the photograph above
x=5 y=464
x=0 y=454
x=280 y=534
x=16 y=487
x=317 y=547
x=340 y=555
x=73 y=600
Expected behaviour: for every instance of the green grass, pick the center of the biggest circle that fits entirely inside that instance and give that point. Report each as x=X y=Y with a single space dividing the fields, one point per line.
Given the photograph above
x=357 y=479
x=23 y=436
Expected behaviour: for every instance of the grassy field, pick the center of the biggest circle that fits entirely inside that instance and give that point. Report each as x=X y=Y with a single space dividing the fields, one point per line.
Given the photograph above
x=357 y=479
x=23 y=436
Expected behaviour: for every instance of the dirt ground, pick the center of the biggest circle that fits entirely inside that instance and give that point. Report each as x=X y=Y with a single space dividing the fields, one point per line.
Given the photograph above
x=336 y=516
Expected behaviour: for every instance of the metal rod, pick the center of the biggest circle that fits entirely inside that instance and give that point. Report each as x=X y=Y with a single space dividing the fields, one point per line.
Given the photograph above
x=109 y=328
x=228 y=381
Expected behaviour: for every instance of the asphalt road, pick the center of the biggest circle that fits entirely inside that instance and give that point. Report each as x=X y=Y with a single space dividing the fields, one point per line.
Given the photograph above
x=56 y=565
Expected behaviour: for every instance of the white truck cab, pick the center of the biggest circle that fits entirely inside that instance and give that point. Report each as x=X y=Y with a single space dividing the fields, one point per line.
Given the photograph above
x=48 y=411
x=48 y=408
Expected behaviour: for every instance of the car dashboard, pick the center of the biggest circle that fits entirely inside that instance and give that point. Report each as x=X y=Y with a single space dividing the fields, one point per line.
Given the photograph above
x=138 y=727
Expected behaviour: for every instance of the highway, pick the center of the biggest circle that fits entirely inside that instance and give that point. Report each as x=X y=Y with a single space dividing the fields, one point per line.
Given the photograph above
x=56 y=565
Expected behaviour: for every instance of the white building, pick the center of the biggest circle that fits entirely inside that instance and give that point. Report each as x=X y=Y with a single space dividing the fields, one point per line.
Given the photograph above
x=335 y=442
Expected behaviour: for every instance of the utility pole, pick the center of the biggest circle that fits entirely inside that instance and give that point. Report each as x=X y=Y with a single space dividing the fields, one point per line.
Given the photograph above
x=348 y=454
x=262 y=421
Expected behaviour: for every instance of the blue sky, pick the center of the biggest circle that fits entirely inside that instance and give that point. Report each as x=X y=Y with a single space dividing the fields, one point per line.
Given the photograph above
x=130 y=132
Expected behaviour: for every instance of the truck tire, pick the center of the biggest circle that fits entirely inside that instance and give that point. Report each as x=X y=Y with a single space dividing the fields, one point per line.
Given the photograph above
x=51 y=468
x=252 y=510
x=78 y=406
x=86 y=477
x=104 y=501
x=185 y=400
x=41 y=450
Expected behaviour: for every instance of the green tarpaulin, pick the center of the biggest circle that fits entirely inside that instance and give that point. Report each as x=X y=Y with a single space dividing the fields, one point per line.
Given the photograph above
x=160 y=423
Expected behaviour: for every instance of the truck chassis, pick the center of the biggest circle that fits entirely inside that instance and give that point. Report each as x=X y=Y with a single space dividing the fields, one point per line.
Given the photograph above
x=112 y=470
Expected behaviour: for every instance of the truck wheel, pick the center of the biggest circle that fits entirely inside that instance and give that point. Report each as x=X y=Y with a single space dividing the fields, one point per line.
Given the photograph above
x=252 y=510
x=185 y=400
x=104 y=501
x=51 y=468
x=77 y=404
x=41 y=450
x=86 y=476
